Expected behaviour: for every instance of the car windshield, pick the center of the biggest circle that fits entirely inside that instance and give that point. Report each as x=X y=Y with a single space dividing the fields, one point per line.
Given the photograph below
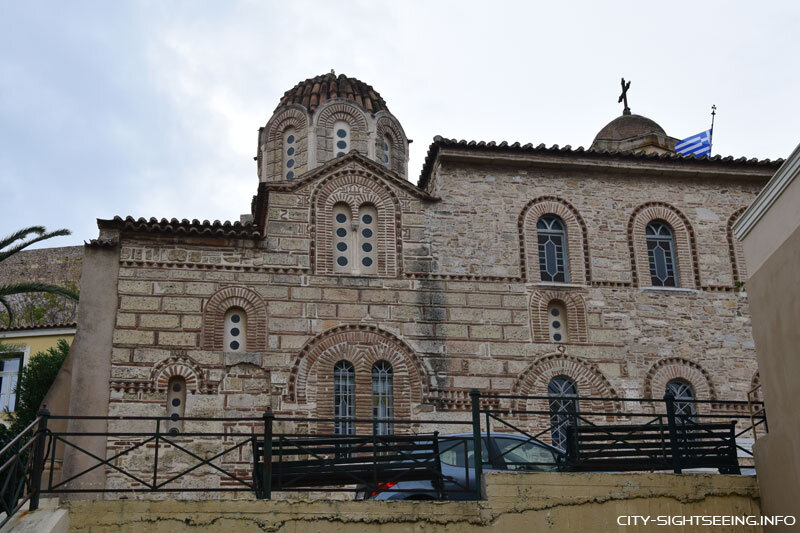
x=522 y=455
x=460 y=452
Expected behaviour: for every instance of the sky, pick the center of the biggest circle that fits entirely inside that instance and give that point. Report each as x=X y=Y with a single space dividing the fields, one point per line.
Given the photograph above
x=152 y=108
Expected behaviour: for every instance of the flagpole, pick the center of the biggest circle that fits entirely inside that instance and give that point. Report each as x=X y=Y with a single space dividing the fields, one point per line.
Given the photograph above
x=711 y=137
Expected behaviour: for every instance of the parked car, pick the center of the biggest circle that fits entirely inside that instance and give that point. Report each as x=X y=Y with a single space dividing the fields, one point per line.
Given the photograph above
x=500 y=452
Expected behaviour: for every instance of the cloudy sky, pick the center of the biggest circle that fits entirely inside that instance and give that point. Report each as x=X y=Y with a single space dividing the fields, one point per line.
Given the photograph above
x=152 y=108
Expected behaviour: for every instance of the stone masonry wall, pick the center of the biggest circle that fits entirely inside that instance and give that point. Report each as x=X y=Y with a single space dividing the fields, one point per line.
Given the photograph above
x=455 y=308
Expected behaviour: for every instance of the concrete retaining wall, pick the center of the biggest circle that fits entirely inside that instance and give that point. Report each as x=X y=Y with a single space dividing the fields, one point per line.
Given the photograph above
x=515 y=502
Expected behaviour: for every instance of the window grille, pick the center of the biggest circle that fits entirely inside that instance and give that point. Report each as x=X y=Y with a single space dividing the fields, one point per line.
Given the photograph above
x=661 y=254
x=561 y=391
x=552 y=239
x=683 y=392
x=382 y=396
x=344 y=397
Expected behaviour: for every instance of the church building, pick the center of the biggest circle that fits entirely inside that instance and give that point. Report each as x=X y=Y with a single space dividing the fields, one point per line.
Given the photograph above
x=353 y=290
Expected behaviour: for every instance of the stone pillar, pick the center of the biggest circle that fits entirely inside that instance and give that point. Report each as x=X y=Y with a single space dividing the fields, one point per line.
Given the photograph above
x=90 y=356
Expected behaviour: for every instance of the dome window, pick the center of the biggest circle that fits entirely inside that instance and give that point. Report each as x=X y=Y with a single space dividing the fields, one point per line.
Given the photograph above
x=341 y=138
x=557 y=321
x=289 y=151
x=176 y=404
x=368 y=216
x=386 y=151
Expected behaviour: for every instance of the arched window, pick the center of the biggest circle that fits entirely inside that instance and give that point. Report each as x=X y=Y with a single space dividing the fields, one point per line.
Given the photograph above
x=385 y=154
x=382 y=396
x=367 y=239
x=176 y=404
x=563 y=403
x=661 y=254
x=557 y=321
x=233 y=340
x=341 y=138
x=289 y=150
x=344 y=397
x=342 y=238
x=552 y=239
x=683 y=392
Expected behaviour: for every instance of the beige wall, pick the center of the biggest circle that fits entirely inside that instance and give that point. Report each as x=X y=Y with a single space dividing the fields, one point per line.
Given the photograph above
x=774 y=291
x=515 y=503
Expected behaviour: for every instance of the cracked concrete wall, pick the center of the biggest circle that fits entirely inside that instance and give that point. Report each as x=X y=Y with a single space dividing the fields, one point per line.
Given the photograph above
x=515 y=502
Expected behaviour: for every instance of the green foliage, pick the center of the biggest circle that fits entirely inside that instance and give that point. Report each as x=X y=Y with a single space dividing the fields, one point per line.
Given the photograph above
x=16 y=242
x=34 y=381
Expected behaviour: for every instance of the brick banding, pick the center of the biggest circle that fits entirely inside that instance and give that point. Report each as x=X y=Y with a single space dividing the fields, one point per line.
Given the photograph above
x=738 y=264
x=214 y=317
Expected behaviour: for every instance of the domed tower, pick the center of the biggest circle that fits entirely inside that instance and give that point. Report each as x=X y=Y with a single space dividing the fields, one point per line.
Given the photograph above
x=326 y=117
x=629 y=133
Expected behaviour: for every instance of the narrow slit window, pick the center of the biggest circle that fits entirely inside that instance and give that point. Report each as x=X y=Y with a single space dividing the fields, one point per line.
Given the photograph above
x=382 y=396
x=552 y=241
x=289 y=152
x=661 y=254
x=557 y=321
x=341 y=138
x=344 y=398
x=176 y=404
x=367 y=239
x=386 y=151
x=233 y=339
x=342 y=238
x=563 y=394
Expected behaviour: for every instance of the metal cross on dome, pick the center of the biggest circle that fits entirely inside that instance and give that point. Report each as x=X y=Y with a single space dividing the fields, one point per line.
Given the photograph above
x=624 y=96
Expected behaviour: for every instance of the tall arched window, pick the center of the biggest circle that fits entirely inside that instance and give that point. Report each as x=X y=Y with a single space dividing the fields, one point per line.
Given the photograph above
x=289 y=150
x=552 y=240
x=176 y=404
x=341 y=138
x=342 y=238
x=382 y=395
x=683 y=392
x=563 y=402
x=367 y=239
x=557 y=321
x=233 y=340
x=344 y=397
x=661 y=254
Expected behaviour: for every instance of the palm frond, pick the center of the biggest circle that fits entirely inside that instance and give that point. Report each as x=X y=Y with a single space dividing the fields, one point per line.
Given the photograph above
x=21 y=234
x=22 y=288
x=5 y=304
x=41 y=237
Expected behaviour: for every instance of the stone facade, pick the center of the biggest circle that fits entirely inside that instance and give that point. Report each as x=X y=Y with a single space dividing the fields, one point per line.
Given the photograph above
x=453 y=298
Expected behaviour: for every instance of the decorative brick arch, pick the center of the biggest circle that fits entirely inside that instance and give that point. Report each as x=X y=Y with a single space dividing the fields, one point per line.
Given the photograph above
x=311 y=378
x=665 y=370
x=214 y=317
x=738 y=264
x=577 y=239
x=387 y=126
x=270 y=151
x=355 y=187
x=327 y=114
x=576 y=314
x=683 y=234
x=587 y=377
x=178 y=365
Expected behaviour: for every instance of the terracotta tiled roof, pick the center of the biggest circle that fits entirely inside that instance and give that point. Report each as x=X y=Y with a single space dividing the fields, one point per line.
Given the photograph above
x=226 y=229
x=491 y=146
x=54 y=325
x=314 y=91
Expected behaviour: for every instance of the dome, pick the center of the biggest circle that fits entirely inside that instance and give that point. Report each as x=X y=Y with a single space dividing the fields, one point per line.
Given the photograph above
x=314 y=91
x=629 y=133
x=628 y=126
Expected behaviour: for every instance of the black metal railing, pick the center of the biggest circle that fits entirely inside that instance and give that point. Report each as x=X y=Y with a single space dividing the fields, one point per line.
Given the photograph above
x=262 y=455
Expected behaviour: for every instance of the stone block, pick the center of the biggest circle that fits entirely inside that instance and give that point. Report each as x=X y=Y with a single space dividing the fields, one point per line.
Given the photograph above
x=139 y=303
x=176 y=338
x=159 y=321
x=132 y=336
x=135 y=287
x=201 y=289
x=181 y=304
x=168 y=287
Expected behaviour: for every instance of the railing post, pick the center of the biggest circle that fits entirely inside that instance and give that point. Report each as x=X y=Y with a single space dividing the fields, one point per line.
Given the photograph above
x=572 y=444
x=38 y=457
x=475 y=396
x=669 y=400
x=266 y=467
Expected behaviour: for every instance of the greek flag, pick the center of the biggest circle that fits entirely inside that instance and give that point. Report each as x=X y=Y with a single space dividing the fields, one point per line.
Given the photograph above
x=695 y=145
